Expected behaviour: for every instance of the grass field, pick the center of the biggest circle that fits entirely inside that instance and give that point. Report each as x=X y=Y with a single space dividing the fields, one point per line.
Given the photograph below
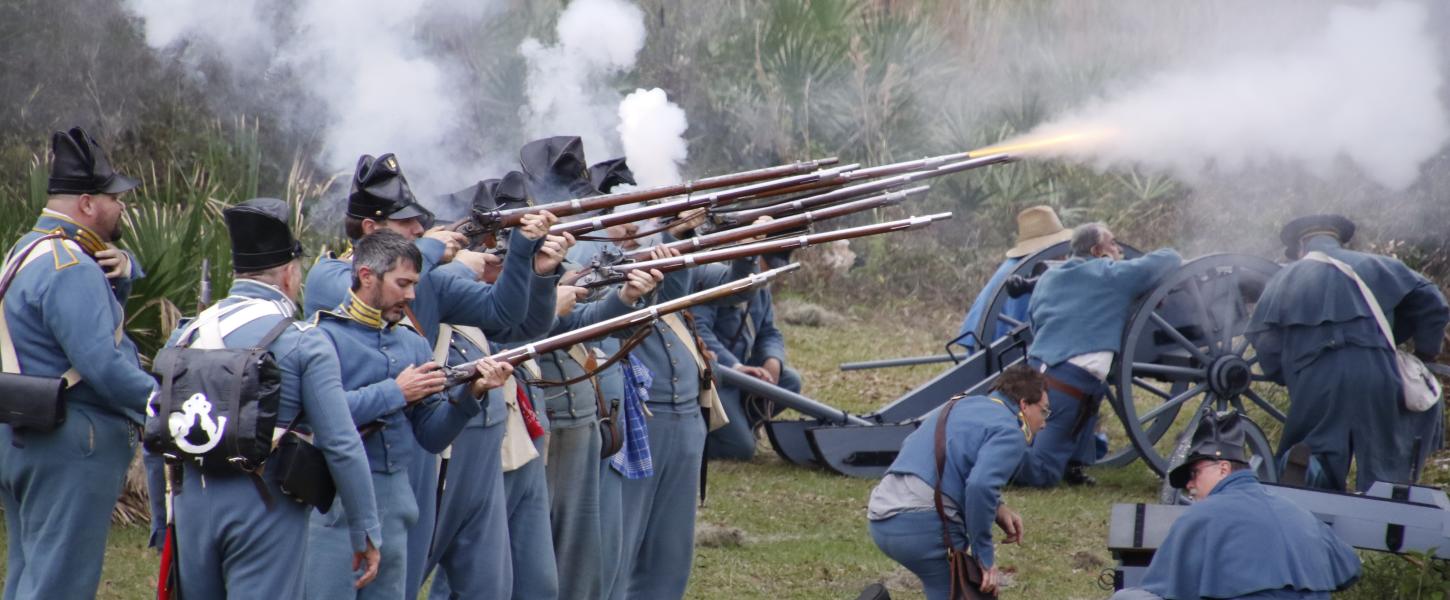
x=772 y=530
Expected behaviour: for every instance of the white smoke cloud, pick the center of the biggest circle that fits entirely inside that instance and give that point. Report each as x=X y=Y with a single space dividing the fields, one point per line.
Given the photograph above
x=652 y=130
x=1364 y=88
x=568 y=83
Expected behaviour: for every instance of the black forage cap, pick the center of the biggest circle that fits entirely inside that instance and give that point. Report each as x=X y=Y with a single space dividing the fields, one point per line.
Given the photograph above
x=80 y=166
x=510 y=191
x=1336 y=225
x=261 y=238
x=556 y=169
x=605 y=175
x=379 y=191
x=1218 y=437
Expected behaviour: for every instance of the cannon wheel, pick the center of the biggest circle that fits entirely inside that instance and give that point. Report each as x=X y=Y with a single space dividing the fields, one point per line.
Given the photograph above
x=1188 y=335
x=1121 y=452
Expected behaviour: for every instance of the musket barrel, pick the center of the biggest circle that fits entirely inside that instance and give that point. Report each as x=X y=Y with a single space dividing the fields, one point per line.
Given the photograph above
x=766 y=247
x=514 y=356
x=784 y=223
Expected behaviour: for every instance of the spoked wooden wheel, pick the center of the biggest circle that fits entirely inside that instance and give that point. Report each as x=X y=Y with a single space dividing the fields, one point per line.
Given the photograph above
x=1185 y=346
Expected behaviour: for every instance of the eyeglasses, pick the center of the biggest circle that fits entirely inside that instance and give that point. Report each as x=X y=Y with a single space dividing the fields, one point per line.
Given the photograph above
x=1192 y=475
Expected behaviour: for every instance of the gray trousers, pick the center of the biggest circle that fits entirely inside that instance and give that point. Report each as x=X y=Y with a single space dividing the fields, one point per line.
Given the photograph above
x=58 y=490
x=573 y=477
x=472 y=525
x=329 y=574
x=611 y=532
x=227 y=539
x=423 y=480
x=531 y=541
x=659 y=511
x=736 y=441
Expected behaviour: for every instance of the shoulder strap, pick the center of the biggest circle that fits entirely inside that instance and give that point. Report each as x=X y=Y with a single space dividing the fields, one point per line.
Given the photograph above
x=939 y=448
x=9 y=358
x=1374 y=305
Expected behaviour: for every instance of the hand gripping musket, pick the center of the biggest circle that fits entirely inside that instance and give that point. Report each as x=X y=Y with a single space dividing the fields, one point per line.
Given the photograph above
x=742 y=216
x=972 y=159
x=514 y=356
x=482 y=223
x=796 y=221
x=673 y=207
x=602 y=275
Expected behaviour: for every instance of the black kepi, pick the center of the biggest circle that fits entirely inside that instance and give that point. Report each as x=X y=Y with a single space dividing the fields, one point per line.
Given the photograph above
x=1336 y=225
x=80 y=166
x=1218 y=437
x=379 y=191
x=261 y=238
x=556 y=169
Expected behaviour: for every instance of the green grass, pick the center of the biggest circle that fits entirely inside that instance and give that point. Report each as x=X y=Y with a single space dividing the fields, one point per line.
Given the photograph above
x=800 y=533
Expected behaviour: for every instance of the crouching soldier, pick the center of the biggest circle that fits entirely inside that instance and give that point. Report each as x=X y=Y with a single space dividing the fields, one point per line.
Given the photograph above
x=1238 y=540
x=59 y=479
x=399 y=401
x=239 y=533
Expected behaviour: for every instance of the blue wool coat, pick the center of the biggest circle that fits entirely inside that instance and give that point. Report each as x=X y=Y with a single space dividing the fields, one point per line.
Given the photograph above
x=1082 y=305
x=1243 y=540
x=984 y=444
x=1015 y=308
x=1314 y=333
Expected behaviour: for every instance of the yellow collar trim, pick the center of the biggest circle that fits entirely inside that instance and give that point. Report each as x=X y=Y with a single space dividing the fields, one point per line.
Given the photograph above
x=88 y=240
x=1021 y=422
x=359 y=311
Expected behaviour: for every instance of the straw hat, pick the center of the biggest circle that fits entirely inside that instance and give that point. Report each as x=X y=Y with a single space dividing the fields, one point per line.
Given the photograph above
x=1037 y=228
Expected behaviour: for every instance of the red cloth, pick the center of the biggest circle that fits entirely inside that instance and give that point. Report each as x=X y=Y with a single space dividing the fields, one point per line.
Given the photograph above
x=531 y=420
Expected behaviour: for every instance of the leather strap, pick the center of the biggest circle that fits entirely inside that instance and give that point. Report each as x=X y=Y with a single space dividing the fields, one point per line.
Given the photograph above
x=939 y=450
x=1064 y=387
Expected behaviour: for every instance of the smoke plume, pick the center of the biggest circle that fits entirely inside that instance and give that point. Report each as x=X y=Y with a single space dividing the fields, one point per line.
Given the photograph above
x=652 y=131
x=1364 y=88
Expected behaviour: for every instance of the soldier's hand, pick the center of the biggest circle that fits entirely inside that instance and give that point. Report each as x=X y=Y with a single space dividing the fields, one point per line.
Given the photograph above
x=663 y=252
x=551 y=253
x=760 y=221
x=755 y=372
x=566 y=296
x=372 y=558
x=491 y=374
x=452 y=241
x=115 y=262
x=772 y=366
x=420 y=381
x=572 y=277
x=478 y=262
x=638 y=283
x=991 y=578
x=536 y=225
x=1011 y=524
x=688 y=220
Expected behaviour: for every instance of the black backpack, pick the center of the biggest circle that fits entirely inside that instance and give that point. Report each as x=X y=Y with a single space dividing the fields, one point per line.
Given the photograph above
x=216 y=408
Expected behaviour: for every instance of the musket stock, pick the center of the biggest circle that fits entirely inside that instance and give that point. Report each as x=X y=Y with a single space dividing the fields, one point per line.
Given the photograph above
x=514 y=356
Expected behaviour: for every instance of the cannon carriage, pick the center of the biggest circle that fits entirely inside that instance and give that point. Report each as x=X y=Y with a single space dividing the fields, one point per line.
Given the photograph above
x=1183 y=353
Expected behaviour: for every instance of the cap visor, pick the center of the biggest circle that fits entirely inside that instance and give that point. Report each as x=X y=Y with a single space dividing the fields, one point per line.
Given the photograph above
x=120 y=184
x=410 y=211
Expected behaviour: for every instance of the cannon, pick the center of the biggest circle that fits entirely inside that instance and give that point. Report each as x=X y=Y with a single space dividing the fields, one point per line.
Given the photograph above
x=1184 y=353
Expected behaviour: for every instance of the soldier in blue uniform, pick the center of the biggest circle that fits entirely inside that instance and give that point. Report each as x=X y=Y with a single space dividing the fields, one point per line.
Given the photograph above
x=1239 y=540
x=985 y=438
x=743 y=336
x=63 y=314
x=398 y=399
x=1037 y=228
x=1078 y=311
x=1314 y=332
x=526 y=488
x=229 y=539
x=520 y=301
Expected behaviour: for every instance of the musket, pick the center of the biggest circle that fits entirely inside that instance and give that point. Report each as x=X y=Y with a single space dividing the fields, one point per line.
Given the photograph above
x=804 y=219
x=468 y=372
x=484 y=222
x=203 y=293
x=736 y=217
x=899 y=168
x=611 y=274
x=673 y=207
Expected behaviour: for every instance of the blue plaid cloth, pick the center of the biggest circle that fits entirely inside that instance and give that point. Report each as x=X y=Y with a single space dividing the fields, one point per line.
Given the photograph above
x=633 y=459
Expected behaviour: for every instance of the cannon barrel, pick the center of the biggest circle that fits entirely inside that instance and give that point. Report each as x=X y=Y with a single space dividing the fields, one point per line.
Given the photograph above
x=787 y=398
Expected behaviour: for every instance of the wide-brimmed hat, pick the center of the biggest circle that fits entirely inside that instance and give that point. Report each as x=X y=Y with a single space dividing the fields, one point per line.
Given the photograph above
x=1336 y=225
x=1037 y=228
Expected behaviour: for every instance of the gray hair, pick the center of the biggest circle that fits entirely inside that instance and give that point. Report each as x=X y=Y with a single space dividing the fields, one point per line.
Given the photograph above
x=380 y=251
x=1086 y=237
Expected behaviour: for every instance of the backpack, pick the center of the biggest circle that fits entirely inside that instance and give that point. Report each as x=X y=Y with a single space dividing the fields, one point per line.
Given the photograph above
x=217 y=406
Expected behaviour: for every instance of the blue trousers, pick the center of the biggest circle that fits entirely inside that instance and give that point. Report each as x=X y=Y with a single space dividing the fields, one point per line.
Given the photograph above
x=227 y=539
x=472 y=525
x=736 y=441
x=573 y=477
x=611 y=532
x=329 y=574
x=423 y=479
x=914 y=540
x=1064 y=439
x=659 y=511
x=531 y=541
x=58 y=490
